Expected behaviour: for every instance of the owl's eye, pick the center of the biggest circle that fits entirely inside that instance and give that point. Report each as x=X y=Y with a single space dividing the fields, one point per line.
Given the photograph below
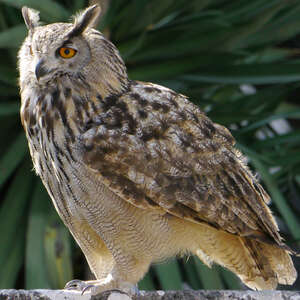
x=66 y=52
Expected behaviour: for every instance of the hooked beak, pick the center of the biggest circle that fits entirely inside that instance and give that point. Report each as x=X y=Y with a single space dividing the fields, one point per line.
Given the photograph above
x=40 y=69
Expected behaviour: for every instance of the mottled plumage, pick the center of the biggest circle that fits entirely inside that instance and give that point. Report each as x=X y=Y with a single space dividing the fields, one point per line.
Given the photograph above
x=136 y=171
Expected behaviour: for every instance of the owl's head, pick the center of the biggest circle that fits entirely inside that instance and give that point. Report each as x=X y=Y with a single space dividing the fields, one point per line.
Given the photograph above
x=69 y=52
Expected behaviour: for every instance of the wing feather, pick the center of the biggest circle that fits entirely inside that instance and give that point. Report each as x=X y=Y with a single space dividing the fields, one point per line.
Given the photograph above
x=157 y=150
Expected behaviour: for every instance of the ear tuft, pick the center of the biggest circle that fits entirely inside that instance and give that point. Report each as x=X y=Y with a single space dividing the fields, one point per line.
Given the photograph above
x=31 y=17
x=85 y=20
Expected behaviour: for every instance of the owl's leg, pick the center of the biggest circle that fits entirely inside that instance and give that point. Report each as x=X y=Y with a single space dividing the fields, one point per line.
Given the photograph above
x=98 y=286
x=114 y=280
x=117 y=279
x=124 y=277
x=99 y=258
x=118 y=268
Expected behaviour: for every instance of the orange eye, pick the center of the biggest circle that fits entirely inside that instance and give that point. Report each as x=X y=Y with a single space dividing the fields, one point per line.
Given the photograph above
x=66 y=52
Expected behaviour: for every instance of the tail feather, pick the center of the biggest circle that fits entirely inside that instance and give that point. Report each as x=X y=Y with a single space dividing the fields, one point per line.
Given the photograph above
x=282 y=264
x=260 y=266
x=264 y=277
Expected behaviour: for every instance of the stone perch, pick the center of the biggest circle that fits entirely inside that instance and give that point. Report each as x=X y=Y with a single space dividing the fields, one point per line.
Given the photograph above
x=154 y=295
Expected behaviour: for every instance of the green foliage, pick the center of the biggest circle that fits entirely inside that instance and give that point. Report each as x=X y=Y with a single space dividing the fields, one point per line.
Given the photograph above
x=205 y=49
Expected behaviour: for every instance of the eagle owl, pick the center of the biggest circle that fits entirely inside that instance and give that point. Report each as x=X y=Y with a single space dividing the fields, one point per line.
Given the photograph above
x=136 y=171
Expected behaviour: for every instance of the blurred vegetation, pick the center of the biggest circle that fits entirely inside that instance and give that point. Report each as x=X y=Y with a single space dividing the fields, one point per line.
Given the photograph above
x=238 y=60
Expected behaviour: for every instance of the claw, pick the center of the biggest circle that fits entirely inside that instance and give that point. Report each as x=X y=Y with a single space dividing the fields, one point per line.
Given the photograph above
x=99 y=286
x=75 y=284
x=87 y=287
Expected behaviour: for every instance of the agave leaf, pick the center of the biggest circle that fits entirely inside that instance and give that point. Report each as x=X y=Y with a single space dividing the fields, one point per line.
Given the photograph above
x=13 y=37
x=241 y=11
x=147 y=283
x=284 y=115
x=239 y=37
x=192 y=274
x=36 y=273
x=50 y=10
x=169 y=275
x=277 y=197
x=7 y=91
x=169 y=69
x=13 y=156
x=12 y=218
x=289 y=139
x=58 y=253
x=130 y=24
x=280 y=29
x=254 y=73
x=231 y=280
x=210 y=277
x=10 y=108
x=8 y=74
x=13 y=260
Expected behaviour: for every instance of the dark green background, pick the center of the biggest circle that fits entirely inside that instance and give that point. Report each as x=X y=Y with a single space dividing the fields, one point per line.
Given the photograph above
x=204 y=49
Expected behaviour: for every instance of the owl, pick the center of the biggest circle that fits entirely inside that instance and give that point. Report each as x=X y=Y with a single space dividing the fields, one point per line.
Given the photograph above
x=136 y=171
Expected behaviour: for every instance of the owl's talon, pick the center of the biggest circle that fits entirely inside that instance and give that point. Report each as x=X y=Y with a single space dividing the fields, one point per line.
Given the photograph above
x=86 y=288
x=75 y=284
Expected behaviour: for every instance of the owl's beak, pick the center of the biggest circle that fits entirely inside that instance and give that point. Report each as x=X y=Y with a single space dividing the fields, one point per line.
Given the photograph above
x=40 y=69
